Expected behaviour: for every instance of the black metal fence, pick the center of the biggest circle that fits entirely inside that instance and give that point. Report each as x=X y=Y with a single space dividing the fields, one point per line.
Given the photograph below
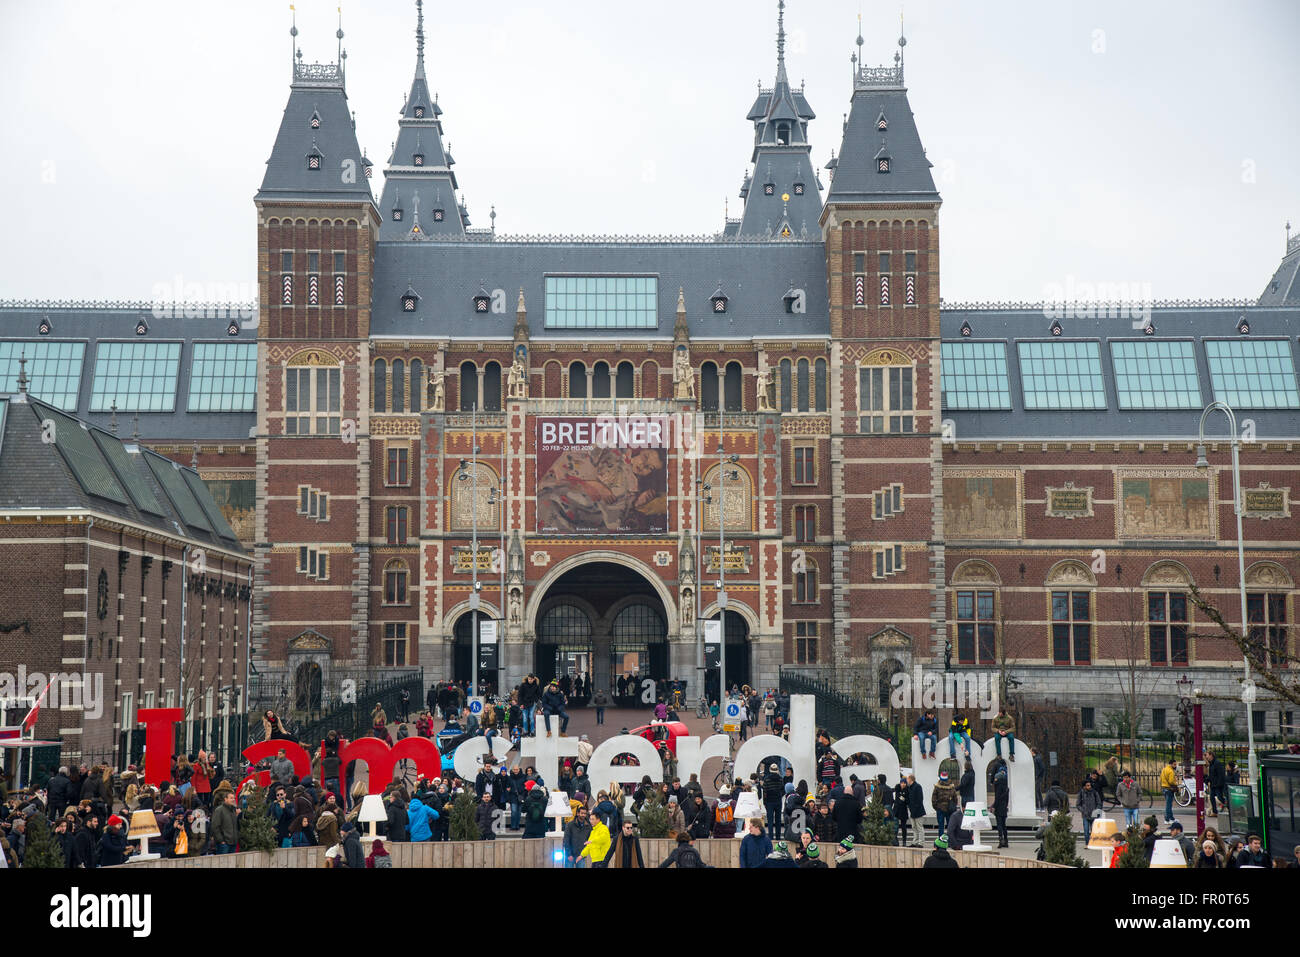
x=837 y=712
x=351 y=718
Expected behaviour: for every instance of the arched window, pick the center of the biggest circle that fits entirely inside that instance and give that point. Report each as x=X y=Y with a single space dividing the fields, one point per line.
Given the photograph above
x=395 y=582
x=787 y=390
x=417 y=384
x=805 y=584
x=733 y=400
x=468 y=387
x=399 y=385
x=562 y=624
x=600 y=381
x=625 y=384
x=650 y=380
x=381 y=386
x=708 y=387
x=639 y=623
x=819 y=383
x=577 y=381
x=492 y=387
x=802 y=394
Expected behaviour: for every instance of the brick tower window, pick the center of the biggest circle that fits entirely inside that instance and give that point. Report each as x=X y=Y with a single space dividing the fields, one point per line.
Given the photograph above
x=976 y=628
x=1072 y=627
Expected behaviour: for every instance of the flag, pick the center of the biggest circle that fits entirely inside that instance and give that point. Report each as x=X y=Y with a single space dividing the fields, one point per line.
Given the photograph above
x=29 y=722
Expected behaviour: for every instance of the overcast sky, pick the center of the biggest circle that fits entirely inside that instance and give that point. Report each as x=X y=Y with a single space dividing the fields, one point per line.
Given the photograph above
x=1151 y=144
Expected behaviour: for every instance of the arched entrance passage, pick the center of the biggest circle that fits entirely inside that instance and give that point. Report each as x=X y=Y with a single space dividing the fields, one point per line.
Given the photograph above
x=603 y=619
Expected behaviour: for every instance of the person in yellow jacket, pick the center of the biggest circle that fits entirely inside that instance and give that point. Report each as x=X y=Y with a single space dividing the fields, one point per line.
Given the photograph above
x=597 y=847
x=1169 y=784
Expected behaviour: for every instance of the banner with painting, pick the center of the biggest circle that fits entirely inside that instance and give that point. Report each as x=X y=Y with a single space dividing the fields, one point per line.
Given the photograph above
x=606 y=475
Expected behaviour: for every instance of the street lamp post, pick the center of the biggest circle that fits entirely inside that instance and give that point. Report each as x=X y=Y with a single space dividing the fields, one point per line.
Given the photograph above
x=1238 y=506
x=702 y=497
x=723 y=459
x=468 y=472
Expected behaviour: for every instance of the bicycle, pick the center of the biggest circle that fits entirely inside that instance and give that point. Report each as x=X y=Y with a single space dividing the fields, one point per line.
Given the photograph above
x=726 y=775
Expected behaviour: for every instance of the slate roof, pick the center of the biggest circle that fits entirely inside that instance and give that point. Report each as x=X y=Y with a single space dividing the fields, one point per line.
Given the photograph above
x=855 y=178
x=342 y=175
x=89 y=469
x=1010 y=325
x=755 y=277
x=420 y=190
x=92 y=322
x=1284 y=288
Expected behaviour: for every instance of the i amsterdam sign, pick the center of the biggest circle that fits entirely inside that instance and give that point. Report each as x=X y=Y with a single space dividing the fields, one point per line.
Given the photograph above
x=546 y=755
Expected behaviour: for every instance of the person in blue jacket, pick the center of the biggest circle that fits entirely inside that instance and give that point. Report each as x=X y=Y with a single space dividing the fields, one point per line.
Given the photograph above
x=420 y=817
x=755 y=845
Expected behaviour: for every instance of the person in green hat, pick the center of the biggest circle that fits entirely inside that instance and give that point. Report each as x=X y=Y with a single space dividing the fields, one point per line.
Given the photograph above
x=811 y=856
x=844 y=854
x=940 y=857
x=780 y=856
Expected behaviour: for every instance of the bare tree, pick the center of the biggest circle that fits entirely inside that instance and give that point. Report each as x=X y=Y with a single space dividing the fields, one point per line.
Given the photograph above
x=1137 y=677
x=1269 y=660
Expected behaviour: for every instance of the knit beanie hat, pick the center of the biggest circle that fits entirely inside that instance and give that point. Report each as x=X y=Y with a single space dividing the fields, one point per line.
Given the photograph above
x=813 y=851
x=941 y=842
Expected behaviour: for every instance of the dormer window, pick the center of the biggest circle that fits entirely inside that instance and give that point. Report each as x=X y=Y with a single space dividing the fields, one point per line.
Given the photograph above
x=719 y=300
x=798 y=189
x=142 y=328
x=419 y=112
x=882 y=164
x=439 y=215
x=417 y=159
x=1243 y=327
x=1057 y=329
x=482 y=301
x=882 y=124
x=315 y=120
x=314 y=159
x=966 y=330
x=44 y=328
x=782 y=134
x=397 y=214
x=410 y=299
x=233 y=328
x=769 y=189
x=1149 y=329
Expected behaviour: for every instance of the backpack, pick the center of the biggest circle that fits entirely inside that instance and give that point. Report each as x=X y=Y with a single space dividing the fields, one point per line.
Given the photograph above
x=724 y=813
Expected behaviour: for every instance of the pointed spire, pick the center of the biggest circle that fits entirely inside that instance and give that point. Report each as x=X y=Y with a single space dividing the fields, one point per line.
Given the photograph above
x=135 y=428
x=293 y=40
x=419 y=38
x=339 y=33
x=780 y=43
x=22 y=372
x=521 y=307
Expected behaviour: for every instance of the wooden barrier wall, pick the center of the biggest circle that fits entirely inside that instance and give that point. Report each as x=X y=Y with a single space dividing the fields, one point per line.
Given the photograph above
x=514 y=853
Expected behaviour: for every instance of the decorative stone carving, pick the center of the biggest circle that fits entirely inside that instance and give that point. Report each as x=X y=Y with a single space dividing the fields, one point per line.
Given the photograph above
x=767 y=392
x=437 y=401
x=890 y=637
x=1070 y=573
x=975 y=572
x=1266 y=502
x=1167 y=573
x=310 y=641
x=518 y=383
x=1269 y=575
x=1069 y=502
x=686 y=562
x=683 y=375
x=663 y=559
x=540 y=559
x=1164 y=504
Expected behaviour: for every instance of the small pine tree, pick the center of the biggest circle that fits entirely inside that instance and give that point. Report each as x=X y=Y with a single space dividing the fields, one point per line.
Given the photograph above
x=1133 y=855
x=876 y=829
x=42 y=849
x=256 y=830
x=1058 y=842
x=652 y=820
x=463 y=827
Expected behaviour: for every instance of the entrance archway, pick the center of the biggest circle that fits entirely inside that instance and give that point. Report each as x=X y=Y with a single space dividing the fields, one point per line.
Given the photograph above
x=601 y=619
x=738 y=658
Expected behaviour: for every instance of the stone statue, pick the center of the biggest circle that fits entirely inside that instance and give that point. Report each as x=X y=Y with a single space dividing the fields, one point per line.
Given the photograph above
x=683 y=376
x=437 y=396
x=518 y=388
x=767 y=391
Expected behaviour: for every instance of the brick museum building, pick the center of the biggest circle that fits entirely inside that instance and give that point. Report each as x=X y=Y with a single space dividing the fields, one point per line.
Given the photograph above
x=899 y=481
